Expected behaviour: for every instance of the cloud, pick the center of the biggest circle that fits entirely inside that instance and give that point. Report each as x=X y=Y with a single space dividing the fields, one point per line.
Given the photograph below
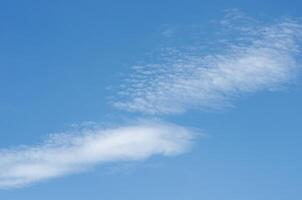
x=248 y=56
x=63 y=154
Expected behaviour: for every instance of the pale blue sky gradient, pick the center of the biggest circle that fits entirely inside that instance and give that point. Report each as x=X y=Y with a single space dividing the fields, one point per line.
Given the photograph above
x=61 y=63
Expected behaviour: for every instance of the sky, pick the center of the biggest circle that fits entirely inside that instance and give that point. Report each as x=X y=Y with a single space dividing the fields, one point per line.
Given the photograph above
x=150 y=100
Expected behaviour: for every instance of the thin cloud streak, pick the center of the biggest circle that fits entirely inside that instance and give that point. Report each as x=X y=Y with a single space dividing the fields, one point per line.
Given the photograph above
x=263 y=57
x=64 y=154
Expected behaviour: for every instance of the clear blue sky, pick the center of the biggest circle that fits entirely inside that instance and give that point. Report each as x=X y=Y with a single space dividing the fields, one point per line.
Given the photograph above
x=61 y=64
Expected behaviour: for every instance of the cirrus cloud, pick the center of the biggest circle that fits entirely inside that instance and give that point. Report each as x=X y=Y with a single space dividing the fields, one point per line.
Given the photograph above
x=64 y=154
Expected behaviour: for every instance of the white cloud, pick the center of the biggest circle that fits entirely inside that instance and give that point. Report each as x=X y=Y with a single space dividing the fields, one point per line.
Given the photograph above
x=63 y=154
x=252 y=57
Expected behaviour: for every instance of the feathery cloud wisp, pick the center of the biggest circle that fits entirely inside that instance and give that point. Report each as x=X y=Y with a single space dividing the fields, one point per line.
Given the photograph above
x=64 y=154
x=263 y=57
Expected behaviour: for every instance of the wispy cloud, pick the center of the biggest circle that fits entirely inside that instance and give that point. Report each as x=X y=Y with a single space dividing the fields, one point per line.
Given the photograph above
x=248 y=56
x=63 y=154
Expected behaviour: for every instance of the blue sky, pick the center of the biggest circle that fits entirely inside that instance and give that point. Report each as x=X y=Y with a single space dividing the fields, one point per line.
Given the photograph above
x=150 y=100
